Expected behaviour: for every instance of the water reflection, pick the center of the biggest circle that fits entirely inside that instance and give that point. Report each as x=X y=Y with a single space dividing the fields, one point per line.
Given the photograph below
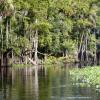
x=44 y=84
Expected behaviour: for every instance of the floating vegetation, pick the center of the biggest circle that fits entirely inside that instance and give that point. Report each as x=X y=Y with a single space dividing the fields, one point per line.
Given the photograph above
x=86 y=77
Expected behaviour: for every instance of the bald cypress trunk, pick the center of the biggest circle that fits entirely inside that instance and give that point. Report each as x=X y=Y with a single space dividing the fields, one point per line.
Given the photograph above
x=7 y=32
x=36 y=45
x=86 y=44
x=1 y=47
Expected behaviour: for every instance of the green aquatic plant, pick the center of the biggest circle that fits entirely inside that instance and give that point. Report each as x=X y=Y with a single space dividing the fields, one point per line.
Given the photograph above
x=89 y=76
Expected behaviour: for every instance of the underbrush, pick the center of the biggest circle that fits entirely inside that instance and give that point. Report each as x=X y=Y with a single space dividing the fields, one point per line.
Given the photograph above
x=59 y=60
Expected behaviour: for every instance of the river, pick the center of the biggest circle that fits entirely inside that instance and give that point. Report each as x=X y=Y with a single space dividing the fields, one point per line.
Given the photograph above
x=47 y=84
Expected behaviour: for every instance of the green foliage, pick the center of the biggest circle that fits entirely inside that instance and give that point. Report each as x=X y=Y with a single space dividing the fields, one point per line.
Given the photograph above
x=60 y=60
x=59 y=24
x=50 y=60
x=92 y=43
x=87 y=76
x=69 y=45
x=42 y=26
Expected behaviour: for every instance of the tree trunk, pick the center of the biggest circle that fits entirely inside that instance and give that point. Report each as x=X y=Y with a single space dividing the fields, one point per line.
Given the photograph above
x=36 y=45
x=30 y=39
x=1 y=47
x=95 y=55
x=7 y=33
x=86 y=47
x=66 y=53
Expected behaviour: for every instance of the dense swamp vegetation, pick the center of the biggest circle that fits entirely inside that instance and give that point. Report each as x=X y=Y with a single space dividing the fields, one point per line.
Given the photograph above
x=49 y=49
x=49 y=31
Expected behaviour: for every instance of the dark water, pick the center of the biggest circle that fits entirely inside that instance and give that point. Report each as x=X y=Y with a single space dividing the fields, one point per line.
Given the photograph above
x=50 y=84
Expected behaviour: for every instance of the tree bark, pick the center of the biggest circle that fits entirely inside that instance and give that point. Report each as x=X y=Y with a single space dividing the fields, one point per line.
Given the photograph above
x=86 y=47
x=1 y=47
x=36 y=45
x=7 y=33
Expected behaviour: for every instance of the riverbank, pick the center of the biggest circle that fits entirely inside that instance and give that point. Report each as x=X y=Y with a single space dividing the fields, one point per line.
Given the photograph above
x=51 y=61
x=58 y=60
x=21 y=65
x=89 y=76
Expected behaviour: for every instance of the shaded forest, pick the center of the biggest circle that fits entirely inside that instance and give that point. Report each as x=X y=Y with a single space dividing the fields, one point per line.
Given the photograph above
x=38 y=29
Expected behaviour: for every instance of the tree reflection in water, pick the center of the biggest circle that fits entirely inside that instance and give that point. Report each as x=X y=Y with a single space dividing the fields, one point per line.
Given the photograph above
x=43 y=84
